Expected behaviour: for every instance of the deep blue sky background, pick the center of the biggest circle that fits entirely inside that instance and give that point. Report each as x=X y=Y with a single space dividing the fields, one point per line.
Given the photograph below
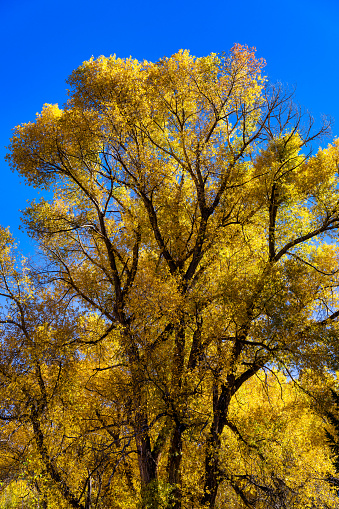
x=43 y=41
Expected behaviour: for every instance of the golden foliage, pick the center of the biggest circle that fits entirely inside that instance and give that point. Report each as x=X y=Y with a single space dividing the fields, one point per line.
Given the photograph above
x=188 y=251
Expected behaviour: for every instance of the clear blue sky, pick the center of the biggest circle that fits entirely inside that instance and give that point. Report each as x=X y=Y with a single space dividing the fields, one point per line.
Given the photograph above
x=43 y=41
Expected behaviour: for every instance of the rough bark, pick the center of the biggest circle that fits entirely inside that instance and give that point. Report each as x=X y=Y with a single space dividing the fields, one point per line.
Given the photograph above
x=174 y=467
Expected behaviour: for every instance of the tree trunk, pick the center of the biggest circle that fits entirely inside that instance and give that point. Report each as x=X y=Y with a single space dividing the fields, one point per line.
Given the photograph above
x=147 y=467
x=174 y=464
x=212 y=469
x=89 y=493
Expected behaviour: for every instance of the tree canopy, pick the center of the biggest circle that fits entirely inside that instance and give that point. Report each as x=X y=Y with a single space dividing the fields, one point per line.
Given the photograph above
x=187 y=272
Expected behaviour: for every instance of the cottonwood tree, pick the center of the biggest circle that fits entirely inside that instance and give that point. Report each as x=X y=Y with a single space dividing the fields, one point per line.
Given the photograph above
x=196 y=235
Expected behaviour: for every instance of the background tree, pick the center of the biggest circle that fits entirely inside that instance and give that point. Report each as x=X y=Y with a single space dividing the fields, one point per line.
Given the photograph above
x=189 y=244
x=332 y=436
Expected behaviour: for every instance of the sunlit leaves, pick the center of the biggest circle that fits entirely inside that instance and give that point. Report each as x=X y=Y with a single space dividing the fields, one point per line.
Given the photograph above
x=183 y=256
